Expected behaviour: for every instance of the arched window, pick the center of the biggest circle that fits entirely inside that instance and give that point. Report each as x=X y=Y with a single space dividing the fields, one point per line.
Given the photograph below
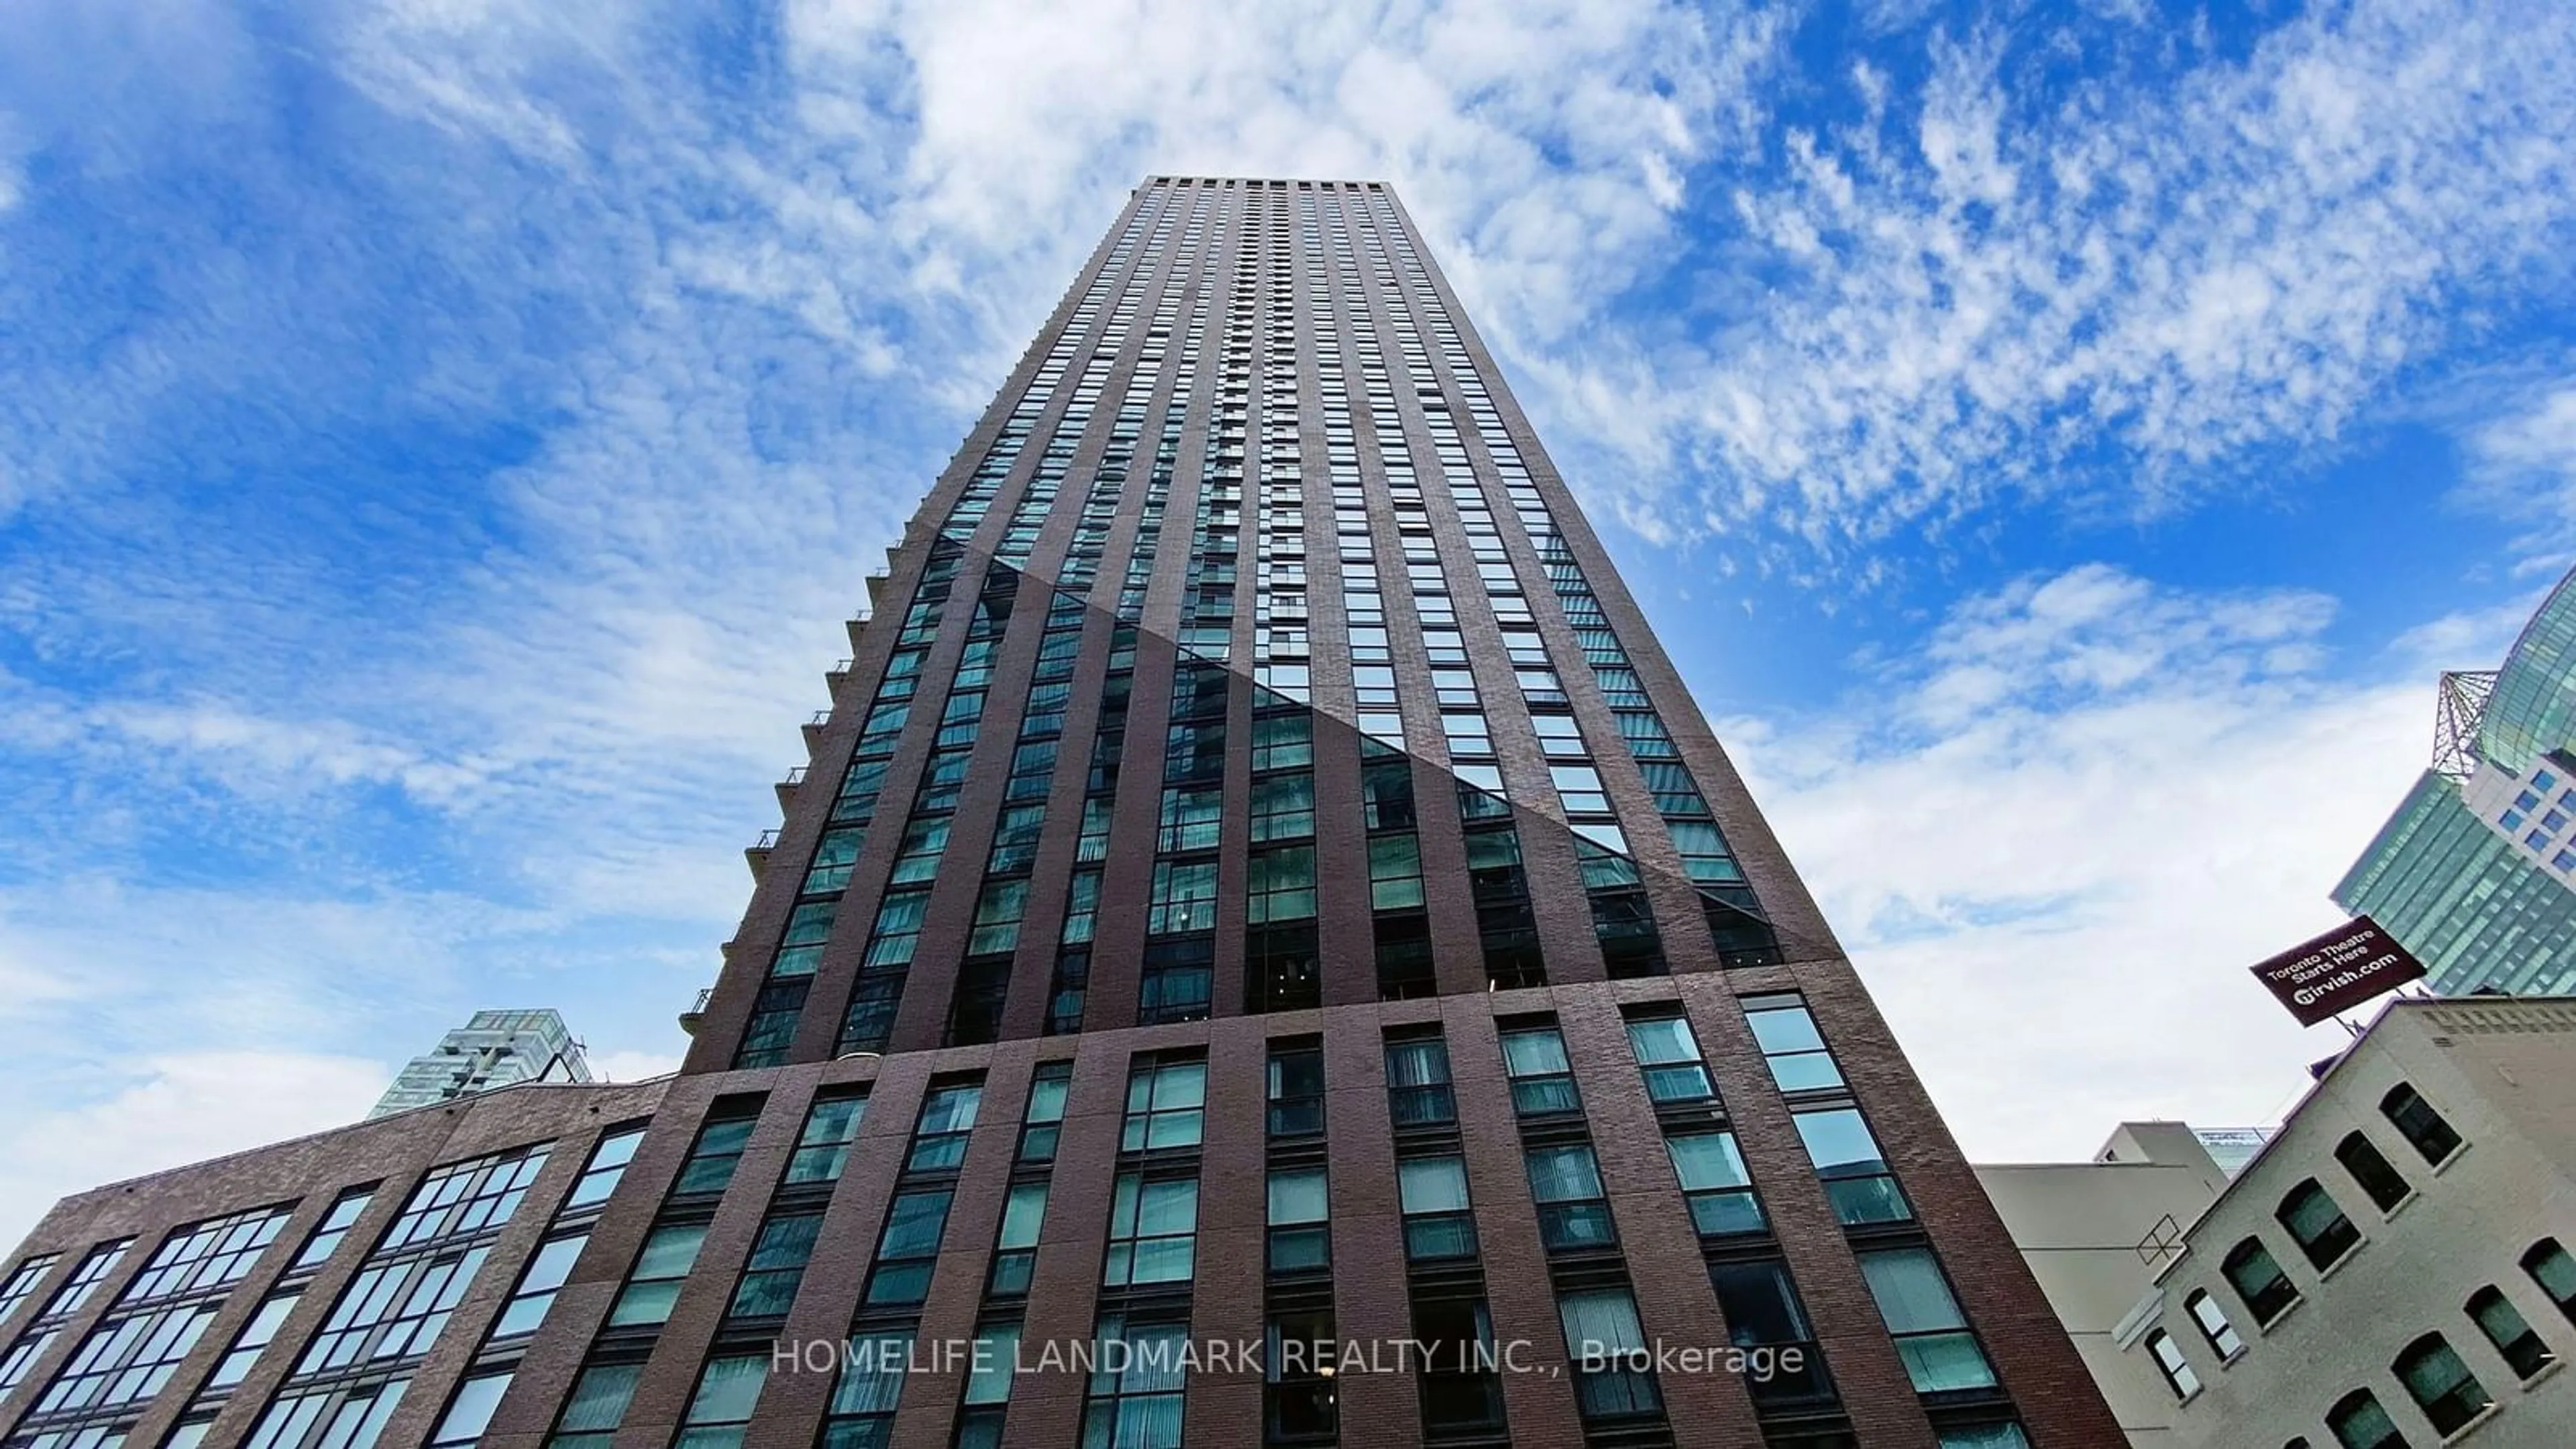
x=2406 y=1109
x=2222 y=1335
x=2555 y=1272
x=2386 y=1186
x=2509 y=1331
x=2320 y=1228
x=2259 y=1281
x=2439 y=1383
x=2359 y=1423
x=2176 y=1369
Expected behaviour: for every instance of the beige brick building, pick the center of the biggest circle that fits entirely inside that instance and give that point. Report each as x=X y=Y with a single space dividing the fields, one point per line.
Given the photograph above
x=2393 y=1269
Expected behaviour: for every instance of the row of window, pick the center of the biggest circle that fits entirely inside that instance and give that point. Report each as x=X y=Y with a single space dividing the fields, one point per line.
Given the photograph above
x=2309 y=1213
x=347 y=1378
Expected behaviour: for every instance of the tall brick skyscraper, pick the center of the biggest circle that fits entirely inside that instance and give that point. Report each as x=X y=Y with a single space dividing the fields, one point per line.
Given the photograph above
x=1260 y=886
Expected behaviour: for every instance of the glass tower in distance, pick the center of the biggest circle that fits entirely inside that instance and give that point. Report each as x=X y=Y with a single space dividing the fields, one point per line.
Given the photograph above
x=1265 y=952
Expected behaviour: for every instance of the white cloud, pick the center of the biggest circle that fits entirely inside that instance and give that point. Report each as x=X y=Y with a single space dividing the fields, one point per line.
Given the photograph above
x=169 y=1110
x=2521 y=464
x=2055 y=842
x=2118 y=291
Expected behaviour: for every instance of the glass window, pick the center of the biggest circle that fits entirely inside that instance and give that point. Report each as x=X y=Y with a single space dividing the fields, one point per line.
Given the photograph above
x=1153 y=1231
x=1417 y=1082
x=1669 y=1056
x=1015 y=1250
x=1296 y=1091
x=823 y=1144
x=1715 y=1183
x=1282 y=886
x=1282 y=742
x=466 y=1197
x=547 y=1269
x=1043 y=1123
x=1437 y=1219
x=597 y=1406
x=776 y=1265
x=834 y=854
x=1299 y=1240
x=1178 y=981
x=1134 y=1400
x=908 y=1247
x=470 y=1412
x=720 y=1409
x=2259 y=1280
x=1283 y=807
x=392 y=1311
x=1932 y=1337
x=999 y=908
x=206 y=1255
x=1609 y=1355
x=328 y=1418
x=254 y=1337
x=2222 y=1335
x=1193 y=819
x=1790 y=1043
x=607 y=1165
x=1184 y=897
x=654 y=1284
x=2550 y=1266
x=1855 y=1171
x=996 y=1353
x=947 y=1120
x=2506 y=1328
x=2359 y=1423
x=2440 y=1384
x=1573 y=1207
x=126 y=1359
x=1395 y=871
x=1460 y=1392
x=2316 y=1224
x=718 y=1150
x=22 y=1281
x=1761 y=1308
x=2380 y=1180
x=1579 y=789
x=2422 y=1126
x=2008 y=1435
x=1299 y=1404
x=870 y=1387
x=2177 y=1370
x=1480 y=793
x=1166 y=1104
x=1542 y=1078
x=1559 y=736
x=1386 y=794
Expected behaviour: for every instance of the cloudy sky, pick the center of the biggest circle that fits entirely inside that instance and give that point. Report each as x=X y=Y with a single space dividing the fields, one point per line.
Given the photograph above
x=439 y=441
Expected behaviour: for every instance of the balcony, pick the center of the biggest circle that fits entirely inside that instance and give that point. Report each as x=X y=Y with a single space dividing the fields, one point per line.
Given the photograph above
x=697 y=1011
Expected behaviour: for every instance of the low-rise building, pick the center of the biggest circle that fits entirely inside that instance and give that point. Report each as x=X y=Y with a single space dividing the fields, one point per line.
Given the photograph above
x=2095 y=1233
x=2393 y=1268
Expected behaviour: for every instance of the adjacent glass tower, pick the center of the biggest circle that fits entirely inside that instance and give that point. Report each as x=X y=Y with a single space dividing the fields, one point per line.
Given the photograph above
x=2475 y=873
x=492 y=1049
x=1266 y=947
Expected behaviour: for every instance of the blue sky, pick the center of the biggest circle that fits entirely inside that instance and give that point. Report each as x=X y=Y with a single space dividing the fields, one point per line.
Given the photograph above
x=439 y=441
